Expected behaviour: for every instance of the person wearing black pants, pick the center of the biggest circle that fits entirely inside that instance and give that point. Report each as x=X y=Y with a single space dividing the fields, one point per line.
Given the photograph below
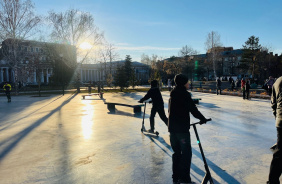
x=218 y=86
x=180 y=107
x=161 y=112
x=276 y=104
x=158 y=104
x=7 y=88
x=247 y=88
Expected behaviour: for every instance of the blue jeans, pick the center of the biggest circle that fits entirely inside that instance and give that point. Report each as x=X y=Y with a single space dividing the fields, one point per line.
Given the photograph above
x=181 y=159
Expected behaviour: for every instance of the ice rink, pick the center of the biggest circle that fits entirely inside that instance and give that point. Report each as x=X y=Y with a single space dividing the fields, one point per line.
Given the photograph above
x=64 y=139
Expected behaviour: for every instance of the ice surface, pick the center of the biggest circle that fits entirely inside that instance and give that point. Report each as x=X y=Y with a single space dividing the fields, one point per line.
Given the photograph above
x=64 y=139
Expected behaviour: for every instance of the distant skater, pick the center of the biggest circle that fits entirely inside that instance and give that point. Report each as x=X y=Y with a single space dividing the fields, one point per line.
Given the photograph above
x=247 y=88
x=169 y=84
x=232 y=85
x=269 y=84
x=7 y=88
x=276 y=104
x=180 y=107
x=158 y=104
x=218 y=86
x=243 y=87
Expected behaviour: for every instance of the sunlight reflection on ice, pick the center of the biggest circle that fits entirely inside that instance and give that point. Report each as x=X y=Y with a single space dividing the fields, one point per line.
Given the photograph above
x=87 y=119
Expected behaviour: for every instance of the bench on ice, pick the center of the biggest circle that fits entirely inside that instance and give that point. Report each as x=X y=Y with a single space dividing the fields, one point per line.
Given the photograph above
x=112 y=106
x=92 y=94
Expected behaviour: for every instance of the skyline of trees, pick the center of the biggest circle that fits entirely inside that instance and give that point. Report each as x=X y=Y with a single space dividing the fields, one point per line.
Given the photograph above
x=74 y=27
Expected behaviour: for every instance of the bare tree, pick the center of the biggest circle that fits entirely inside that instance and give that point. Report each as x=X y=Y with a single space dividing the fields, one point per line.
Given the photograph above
x=108 y=55
x=213 y=41
x=17 y=23
x=145 y=59
x=187 y=51
x=186 y=54
x=75 y=27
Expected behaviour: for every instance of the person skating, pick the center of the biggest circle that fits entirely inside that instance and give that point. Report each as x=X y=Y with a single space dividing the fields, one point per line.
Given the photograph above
x=180 y=107
x=158 y=104
x=247 y=88
x=276 y=104
x=269 y=84
x=243 y=87
x=7 y=88
x=218 y=86
x=232 y=85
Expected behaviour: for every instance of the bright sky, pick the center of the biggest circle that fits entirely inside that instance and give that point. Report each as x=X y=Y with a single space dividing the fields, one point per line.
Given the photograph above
x=162 y=27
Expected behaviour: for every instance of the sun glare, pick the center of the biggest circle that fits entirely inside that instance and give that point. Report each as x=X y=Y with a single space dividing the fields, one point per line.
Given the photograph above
x=87 y=120
x=85 y=46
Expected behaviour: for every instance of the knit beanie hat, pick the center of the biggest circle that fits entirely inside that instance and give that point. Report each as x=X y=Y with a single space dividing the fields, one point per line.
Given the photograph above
x=180 y=80
x=154 y=83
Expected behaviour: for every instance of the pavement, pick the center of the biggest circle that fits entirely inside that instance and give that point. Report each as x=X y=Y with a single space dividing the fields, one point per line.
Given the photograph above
x=64 y=139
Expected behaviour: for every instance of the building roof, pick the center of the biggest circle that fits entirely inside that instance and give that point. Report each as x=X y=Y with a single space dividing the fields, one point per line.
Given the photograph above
x=233 y=52
x=114 y=63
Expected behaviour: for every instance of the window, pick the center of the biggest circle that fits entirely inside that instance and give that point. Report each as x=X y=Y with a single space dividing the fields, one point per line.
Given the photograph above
x=226 y=59
x=239 y=58
x=31 y=49
x=37 y=49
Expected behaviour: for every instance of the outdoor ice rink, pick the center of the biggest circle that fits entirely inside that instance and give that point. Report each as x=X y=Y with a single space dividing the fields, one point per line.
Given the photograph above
x=64 y=139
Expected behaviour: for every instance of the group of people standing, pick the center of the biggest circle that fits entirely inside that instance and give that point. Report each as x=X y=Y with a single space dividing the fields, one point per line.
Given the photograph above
x=179 y=108
x=245 y=86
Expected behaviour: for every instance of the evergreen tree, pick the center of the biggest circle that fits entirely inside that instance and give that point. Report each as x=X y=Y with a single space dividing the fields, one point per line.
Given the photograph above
x=251 y=51
x=128 y=67
x=121 y=77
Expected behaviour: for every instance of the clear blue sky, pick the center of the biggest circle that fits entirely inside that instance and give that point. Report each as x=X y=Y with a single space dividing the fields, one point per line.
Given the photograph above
x=162 y=27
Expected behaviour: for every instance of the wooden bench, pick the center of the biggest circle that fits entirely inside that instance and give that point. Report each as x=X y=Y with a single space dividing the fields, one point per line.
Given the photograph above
x=91 y=94
x=136 y=108
x=196 y=100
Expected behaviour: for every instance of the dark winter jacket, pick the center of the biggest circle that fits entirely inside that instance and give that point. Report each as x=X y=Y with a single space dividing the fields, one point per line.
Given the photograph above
x=218 y=83
x=156 y=96
x=248 y=86
x=276 y=101
x=180 y=106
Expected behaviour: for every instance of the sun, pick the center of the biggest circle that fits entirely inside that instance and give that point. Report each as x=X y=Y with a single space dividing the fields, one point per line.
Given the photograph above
x=85 y=46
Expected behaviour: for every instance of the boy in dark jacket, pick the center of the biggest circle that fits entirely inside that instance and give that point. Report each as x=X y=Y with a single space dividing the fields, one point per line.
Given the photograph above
x=158 y=104
x=180 y=107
